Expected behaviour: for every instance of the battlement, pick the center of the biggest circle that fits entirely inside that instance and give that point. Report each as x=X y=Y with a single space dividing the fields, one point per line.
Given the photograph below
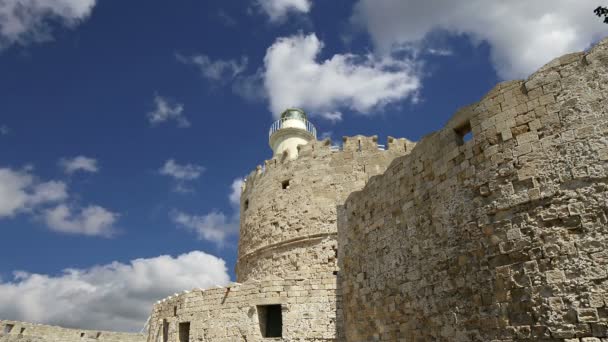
x=316 y=150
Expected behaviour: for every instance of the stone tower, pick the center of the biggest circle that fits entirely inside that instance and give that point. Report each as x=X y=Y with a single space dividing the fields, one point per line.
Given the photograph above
x=287 y=266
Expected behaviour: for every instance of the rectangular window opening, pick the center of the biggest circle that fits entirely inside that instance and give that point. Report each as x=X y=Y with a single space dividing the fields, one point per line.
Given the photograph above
x=285 y=184
x=246 y=205
x=7 y=328
x=165 y=330
x=464 y=133
x=22 y=330
x=271 y=320
x=184 y=332
x=174 y=311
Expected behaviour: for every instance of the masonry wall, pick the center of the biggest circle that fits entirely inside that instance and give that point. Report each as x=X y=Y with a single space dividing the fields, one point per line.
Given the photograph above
x=288 y=208
x=12 y=331
x=232 y=314
x=500 y=238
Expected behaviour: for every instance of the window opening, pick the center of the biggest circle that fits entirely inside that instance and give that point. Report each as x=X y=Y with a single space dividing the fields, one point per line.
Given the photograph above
x=285 y=184
x=8 y=328
x=246 y=205
x=184 y=332
x=464 y=133
x=271 y=320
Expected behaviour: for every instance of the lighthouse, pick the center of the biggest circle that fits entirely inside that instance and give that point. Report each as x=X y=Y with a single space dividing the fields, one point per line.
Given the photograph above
x=291 y=130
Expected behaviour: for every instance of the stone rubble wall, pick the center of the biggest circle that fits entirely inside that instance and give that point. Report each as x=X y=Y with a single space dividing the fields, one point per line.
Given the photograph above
x=500 y=238
x=230 y=314
x=13 y=331
x=293 y=231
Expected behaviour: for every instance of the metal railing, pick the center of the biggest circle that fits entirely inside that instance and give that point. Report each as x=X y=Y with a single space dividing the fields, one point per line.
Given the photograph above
x=277 y=125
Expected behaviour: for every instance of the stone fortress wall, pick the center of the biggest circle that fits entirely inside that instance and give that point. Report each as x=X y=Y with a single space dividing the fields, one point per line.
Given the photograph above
x=287 y=248
x=11 y=331
x=503 y=237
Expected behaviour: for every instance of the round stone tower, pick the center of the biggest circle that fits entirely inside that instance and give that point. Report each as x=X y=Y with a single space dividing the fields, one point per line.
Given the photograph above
x=291 y=130
x=287 y=270
x=289 y=207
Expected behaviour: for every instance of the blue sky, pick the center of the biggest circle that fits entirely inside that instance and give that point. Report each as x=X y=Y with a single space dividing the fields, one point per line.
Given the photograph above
x=125 y=127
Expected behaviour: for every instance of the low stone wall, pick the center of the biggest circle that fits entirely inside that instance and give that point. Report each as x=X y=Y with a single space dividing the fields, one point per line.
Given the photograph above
x=236 y=313
x=12 y=331
x=503 y=237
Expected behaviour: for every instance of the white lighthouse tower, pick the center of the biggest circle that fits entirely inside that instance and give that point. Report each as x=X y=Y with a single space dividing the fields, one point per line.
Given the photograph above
x=291 y=130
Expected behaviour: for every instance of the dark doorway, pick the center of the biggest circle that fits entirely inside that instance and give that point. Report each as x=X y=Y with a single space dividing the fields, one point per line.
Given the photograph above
x=184 y=332
x=165 y=330
x=271 y=320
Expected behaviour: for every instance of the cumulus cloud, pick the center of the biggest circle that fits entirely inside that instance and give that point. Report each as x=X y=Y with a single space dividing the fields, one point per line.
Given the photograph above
x=20 y=191
x=523 y=35
x=215 y=70
x=92 y=220
x=79 y=163
x=215 y=226
x=116 y=296
x=334 y=116
x=25 y=21
x=295 y=78
x=166 y=111
x=277 y=10
x=235 y=193
x=181 y=174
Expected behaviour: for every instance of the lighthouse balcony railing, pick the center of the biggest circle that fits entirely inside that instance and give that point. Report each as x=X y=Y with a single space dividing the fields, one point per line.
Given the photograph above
x=279 y=124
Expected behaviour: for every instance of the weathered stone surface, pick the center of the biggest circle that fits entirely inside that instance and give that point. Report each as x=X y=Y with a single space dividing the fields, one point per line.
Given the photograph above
x=11 y=331
x=494 y=239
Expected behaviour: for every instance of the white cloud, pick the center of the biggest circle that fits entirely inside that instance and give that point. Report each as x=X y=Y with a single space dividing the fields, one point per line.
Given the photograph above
x=523 y=35
x=4 y=130
x=294 y=78
x=214 y=226
x=166 y=111
x=277 y=10
x=79 y=163
x=218 y=70
x=25 y=21
x=116 y=296
x=235 y=194
x=92 y=220
x=334 y=116
x=20 y=191
x=183 y=172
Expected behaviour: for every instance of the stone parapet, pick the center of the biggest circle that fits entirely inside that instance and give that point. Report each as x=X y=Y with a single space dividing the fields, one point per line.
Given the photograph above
x=14 y=331
x=236 y=312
